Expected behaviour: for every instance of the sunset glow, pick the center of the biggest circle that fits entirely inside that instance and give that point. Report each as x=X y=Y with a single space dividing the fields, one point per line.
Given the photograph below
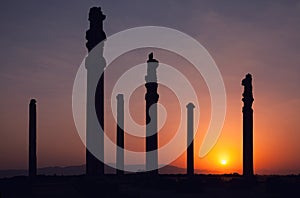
x=223 y=162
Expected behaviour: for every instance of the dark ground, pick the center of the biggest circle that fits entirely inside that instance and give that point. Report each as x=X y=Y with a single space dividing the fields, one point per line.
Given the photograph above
x=145 y=186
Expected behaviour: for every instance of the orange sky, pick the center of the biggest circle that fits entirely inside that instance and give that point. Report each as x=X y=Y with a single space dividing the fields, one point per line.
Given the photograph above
x=275 y=136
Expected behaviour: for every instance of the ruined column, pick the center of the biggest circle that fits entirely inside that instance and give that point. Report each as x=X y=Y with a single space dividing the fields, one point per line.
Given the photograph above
x=190 y=137
x=32 y=138
x=151 y=98
x=247 y=126
x=120 y=134
x=95 y=64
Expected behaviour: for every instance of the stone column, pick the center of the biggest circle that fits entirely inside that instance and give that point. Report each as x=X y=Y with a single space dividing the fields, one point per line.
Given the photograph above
x=120 y=134
x=95 y=64
x=151 y=98
x=190 y=137
x=247 y=126
x=32 y=139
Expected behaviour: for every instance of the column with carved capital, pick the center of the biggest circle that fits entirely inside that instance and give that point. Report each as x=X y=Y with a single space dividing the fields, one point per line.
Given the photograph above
x=95 y=64
x=151 y=98
x=247 y=126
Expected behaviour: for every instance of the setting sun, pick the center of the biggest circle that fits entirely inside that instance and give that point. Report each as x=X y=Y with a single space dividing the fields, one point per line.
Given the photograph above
x=223 y=162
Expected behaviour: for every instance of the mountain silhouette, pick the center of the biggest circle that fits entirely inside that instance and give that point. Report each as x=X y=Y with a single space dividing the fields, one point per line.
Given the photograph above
x=80 y=170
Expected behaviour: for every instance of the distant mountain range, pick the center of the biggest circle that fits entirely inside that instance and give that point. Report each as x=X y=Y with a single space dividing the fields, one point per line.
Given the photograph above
x=80 y=170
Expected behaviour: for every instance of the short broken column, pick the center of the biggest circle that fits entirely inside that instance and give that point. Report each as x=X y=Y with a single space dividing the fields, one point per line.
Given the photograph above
x=190 y=137
x=120 y=134
x=32 y=139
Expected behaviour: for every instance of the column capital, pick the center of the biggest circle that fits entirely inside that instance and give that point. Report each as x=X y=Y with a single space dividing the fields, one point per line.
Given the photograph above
x=190 y=106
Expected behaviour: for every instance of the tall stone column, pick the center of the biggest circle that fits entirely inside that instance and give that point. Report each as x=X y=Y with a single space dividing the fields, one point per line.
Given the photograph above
x=247 y=126
x=95 y=64
x=32 y=138
x=151 y=98
x=120 y=134
x=190 y=137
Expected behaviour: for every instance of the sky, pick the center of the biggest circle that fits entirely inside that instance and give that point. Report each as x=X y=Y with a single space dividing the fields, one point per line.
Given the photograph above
x=43 y=45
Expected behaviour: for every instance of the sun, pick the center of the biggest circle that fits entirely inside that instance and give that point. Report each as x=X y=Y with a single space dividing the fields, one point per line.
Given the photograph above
x=223 y=162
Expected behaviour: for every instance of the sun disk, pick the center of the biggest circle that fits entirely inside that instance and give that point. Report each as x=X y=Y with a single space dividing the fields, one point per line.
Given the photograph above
x=223 y=162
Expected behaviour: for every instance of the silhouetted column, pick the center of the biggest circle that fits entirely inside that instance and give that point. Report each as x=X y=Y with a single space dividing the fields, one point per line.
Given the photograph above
x=190 y=137
x=32 y=138
x=247 y=126
x=151 y=115
x=120 y=134
x=95 y=64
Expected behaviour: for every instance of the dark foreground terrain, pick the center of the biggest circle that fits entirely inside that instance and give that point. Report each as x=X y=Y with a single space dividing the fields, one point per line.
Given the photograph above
x=166 y=186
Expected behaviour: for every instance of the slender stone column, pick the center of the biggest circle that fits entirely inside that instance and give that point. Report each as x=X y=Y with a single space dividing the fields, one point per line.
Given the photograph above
x=151 y=98
x=247 y=126
x=32 y=138
x=95 y=64
x=190 y=137
x=120 y=134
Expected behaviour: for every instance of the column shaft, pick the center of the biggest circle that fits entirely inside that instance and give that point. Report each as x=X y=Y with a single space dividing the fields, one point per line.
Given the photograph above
x=32 y=139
